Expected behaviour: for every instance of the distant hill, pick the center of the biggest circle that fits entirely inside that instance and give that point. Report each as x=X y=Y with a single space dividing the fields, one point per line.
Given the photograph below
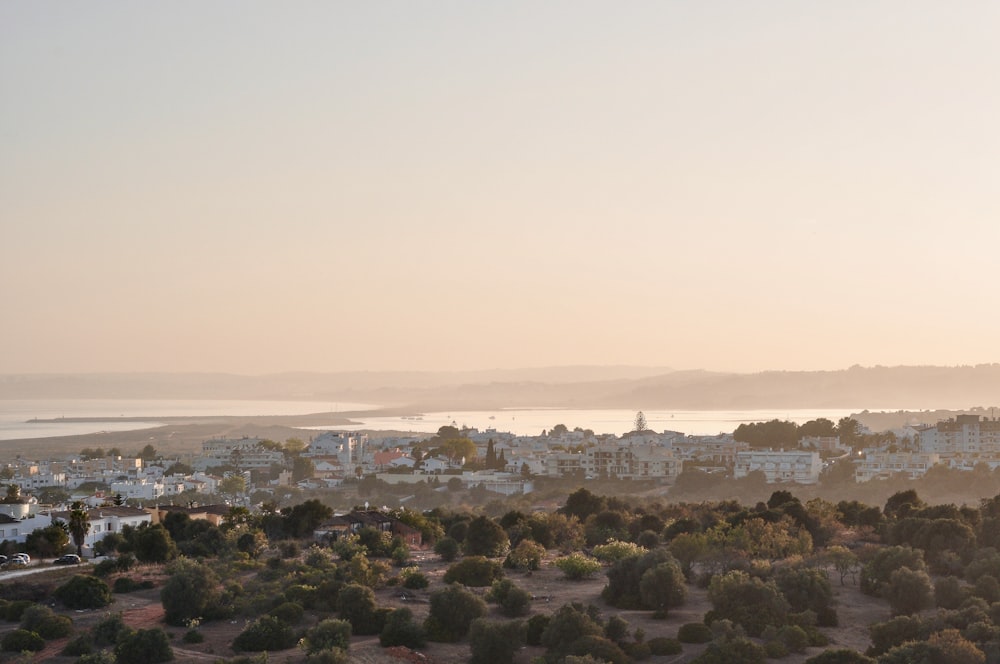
x=917 y=387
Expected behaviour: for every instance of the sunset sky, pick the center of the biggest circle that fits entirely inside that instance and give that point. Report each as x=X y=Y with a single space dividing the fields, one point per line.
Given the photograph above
x=254 y=187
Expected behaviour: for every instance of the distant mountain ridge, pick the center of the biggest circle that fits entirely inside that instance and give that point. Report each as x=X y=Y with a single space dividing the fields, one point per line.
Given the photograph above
x=911 y=387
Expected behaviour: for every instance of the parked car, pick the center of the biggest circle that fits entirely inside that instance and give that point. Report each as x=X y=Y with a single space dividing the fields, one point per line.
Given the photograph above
x=15 y=562
x=22 y=556
x=68 y=559
x=3 y=559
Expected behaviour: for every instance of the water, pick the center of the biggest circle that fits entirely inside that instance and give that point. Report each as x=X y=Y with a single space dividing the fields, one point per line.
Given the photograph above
x=15 y=413
x=532 y=421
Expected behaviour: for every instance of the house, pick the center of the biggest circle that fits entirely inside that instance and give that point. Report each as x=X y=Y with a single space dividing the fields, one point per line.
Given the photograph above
x=795 y=466
x=351 y=523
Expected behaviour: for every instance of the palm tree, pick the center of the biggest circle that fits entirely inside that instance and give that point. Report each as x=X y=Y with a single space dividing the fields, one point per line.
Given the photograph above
x=79 y=525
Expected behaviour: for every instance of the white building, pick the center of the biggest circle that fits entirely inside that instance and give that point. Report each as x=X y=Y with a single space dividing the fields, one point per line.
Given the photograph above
x=349 y=448
x=963 y=435
x=882 y=465
x=780 y=466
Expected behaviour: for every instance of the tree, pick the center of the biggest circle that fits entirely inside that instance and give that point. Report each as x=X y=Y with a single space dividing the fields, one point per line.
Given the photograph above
x=569 y=624
x=582 y=503
x=84 y=592
x=485 y=537
x=79 y=525
x=577 y=566
x=302 y=519
x=640 y=423
x=329 y=633
x=233 y=485
x=47 y=542
x=303 y=468
x=13 y=496
x=747 y=601
x=662 y=587
x=191 y=591
x=356 y=604
x=145 y=646
x=452 y=610
x=495 y=642
x=148 y=453
x=401 y=630
x=908 y=591
x=150 y=544
x=267 y=633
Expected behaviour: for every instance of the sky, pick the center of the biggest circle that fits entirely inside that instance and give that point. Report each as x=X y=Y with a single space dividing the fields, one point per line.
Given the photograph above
x=255 y=187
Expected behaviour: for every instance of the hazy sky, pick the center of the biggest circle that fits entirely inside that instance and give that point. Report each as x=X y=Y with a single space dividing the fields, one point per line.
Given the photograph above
x=261 y=186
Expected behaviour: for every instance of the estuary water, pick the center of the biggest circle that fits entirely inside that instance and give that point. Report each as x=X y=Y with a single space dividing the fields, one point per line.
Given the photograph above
x=15 y=414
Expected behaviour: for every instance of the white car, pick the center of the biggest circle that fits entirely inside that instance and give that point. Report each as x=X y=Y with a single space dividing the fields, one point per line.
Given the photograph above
x=22 y=556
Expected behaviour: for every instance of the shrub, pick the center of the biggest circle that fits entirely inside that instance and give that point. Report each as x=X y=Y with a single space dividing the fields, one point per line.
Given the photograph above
x=536 y=627
x=601 y=648
x=81 y=645
x=145 y=646
x=327 y=635
x=193 y=636
x=356 y=605
x=615 y=550
x=908 y=591
x=124 y=584
x=331 y=656
x=577 y=566
x=289 y=613
x=107 y=629
x=265 y=633
x=486 y=538
x=748 y=601
x=452 y=611
x=513 y=601
x=401 y=630
x=447 y=548
x=100 y=657
x=878 y=570
x=949 y=593
x=840 y=656
x=414 y=580
x=661 y=645
x=20 y=640
x=14 y=610
x=495 y=642
x=42 y=621
x=106 y=567
x=694 y=633
x=84 y=592
x=475 y=571
x=526 y=555
x=190 y=592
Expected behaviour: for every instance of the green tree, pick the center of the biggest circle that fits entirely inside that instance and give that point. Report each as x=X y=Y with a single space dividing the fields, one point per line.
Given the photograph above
x=452 y=610
x=303 y=468
x=79 y=525
x=495 y=642
x=640 y=423
x=485 y=537
x=151 y=544
x=148 y=453
x=233 y=485
x=356 y=604
x=747 y=601
x=47 y=542
x=908 y=591
x=662 y=587
x=329 y=633
x=191 y=591
x=145 y=646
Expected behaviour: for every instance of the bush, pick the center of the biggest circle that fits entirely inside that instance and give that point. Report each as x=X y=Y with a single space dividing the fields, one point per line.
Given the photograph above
x=100 y=657
x=840 y=656
x=475 y=571
x=748 y=601
x=526 y=555
x=949 y=593
x=20 y=640
x=536 y=627
x=577 y=566
x=265 y=633
x=415 y=581
x=193 y=636
x=447 y=548
x=600 y=648
x=81 y=645
x=107 y=630
x=289 y=613
x=401 y=630
x=513 y=601
x=495 y=642
x=191 y=592
x=694 y=633
x=14 y=610
x=614 y=551
x=331 y=656
x=661 y=645
x=356 y=604
x=452 y=611
x=329 y=634
x=146 y=646
x=84 y=592
x=42 y=621
x=106 y=567
x=124 y=584
x=486 y=538
x=908 y=591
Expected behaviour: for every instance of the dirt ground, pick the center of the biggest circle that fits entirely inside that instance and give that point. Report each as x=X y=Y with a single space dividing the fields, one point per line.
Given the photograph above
x=550 y=590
